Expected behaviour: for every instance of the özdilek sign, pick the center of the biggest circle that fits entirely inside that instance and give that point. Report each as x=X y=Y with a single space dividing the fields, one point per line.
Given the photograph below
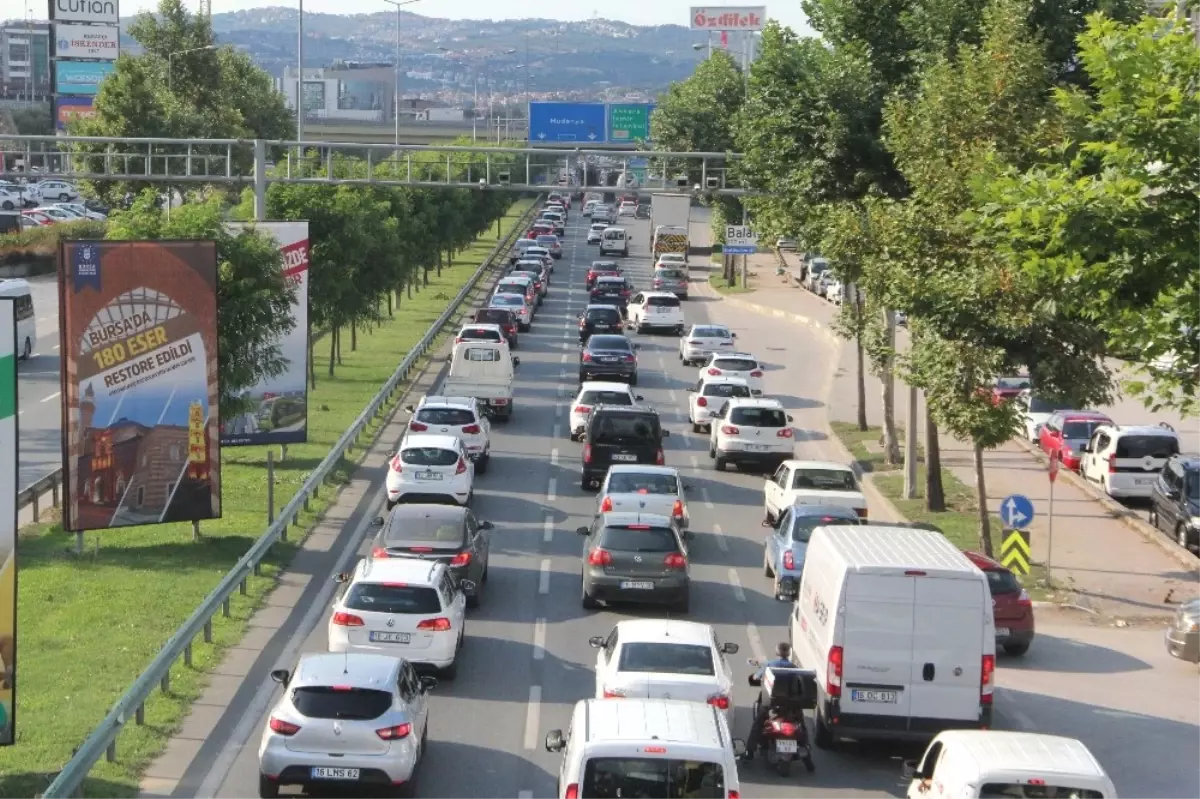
x=102 y=12
x=724 y=18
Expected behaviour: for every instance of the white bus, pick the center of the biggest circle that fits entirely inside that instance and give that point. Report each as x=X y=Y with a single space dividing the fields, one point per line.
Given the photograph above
x=26 y=325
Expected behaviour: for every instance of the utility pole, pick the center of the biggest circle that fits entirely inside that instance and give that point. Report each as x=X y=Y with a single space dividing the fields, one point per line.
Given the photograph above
x=910 y=445
x=300 y=79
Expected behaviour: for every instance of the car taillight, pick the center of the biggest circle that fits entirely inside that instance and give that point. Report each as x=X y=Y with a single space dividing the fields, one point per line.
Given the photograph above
x=1024 y=599
x=572 y=791
x=658 y=282
x=342 y=619
x=462 y=466
x=862 y=512
x=599 y=557
x=625 y=292
x=583 y=409
x=987 y=673
x=675 y=561
x=833 y=672
x=659 y=458
x=719 y=701
x=783 y=727
x=499 y=400
x=614 y=693
x=394 y=733
x=587 y=453
x=714 y=371
x=730 y=430
x=756 y=373
x=472 y=429
x=461 y=559
x=784 y=433
x=379 y=552
x=677 y=510
x=458 y=339
x=606 y=505
x=1112 y=463
x=439 y=625
x=630 y=359
x=789 y=560
x=417 y=427
x=702 y=402
x=396 y=465
x=734 y=795
x=582 y=323
x=283 y=727
x=586 y=358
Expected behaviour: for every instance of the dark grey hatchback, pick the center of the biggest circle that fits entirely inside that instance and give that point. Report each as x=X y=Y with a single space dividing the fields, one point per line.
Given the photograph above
x=447 y=533
x=608 y=358
x=634 y=557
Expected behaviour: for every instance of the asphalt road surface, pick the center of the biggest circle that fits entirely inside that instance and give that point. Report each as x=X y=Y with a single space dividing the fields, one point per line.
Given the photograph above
x=39 y=389
x=526 y=660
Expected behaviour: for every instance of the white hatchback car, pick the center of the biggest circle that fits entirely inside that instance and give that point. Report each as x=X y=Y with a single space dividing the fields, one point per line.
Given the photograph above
x=734 y=364
x=705 y=340
x=351 y=722
x=403 y=607
x=753 y=432
x=519 y=307
x=456 y=416
x=1125 y=461
x=649 y=310
x=593 y=393
x=708 y=400
x=642 y=488
x=430 y=468
x=595 y=233
x=665 y=659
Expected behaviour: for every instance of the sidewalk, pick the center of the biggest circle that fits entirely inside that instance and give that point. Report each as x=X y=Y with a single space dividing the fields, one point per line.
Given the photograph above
x=1111 y=568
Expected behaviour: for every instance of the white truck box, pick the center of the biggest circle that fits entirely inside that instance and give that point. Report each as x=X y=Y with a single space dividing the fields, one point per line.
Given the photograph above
x=483 y=370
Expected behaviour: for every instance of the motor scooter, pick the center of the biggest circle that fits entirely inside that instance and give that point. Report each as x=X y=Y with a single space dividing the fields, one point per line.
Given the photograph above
x=787 y=693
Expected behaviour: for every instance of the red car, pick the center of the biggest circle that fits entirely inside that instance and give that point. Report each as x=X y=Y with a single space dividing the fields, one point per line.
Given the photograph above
x=1066 y=433
x=598 y=272
x=1011 y=605
x=540 y=230
x=1007 y=388
x=42 y=219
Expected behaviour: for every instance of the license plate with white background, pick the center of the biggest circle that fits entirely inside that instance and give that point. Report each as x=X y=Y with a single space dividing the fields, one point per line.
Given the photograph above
x=756 y=447
x=429 y=476
x=786 y=747
x=621 y=456
x=876 y=697
x=1002 y=632
x=639 y=586
x=331 y=773
x=390 y=638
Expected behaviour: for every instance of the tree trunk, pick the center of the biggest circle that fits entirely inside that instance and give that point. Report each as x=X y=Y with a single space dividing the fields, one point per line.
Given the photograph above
x=985 y=522
x=332 y=348
x=312 y=359
x=408 y=283
x=935 y=492
x=339 y=346
x=439 y=263
x=449 y=257
x=861 y=378
x=354 y=336
x=390 y=298
x=891 y=447
x=426 y=276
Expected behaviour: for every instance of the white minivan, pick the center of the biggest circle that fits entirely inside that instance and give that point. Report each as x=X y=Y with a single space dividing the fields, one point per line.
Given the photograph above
x=981 y=764
x=900 y=623
x=646 y=747
x=613 y=241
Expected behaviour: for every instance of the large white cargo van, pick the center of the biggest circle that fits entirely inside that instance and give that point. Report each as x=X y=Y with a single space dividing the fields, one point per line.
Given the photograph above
x=900 y=624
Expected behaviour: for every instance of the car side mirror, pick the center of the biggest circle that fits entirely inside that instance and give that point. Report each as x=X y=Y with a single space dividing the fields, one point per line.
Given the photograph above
x=790 y=419
x=410 y=409
x=687 y=488
x=766 y=523
x=555 y=742
x=739 y=747
x=341 y=577
x=377 y=521
x=582 y=530
x=910 y=769
x=753 y=680
x=638 y=397
x=281 y=676
x=1086 y=448
x=729 y=648
x=637 y=346
x=596 y=642
x=666 y=433
x=428 y=683
x=516 y=361
x=466 y=585
x=486 y=526
x=733 y=335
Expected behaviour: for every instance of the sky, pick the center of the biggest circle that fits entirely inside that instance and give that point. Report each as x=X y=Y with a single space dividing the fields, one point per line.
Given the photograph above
x=637 y=12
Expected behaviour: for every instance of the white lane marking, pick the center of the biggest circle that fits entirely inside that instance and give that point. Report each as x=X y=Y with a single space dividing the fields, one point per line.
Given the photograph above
x=671 y=393
x=552 y=490
x=532 y=710
x=558 y=408
x=554 y=434
x=755 y=640
x=707 y=499
x=50 y=397
x=554 y=457
x=539 y=639
x=720 y=534
x=544 y=577
x=42 y=319
x=563 y=359
x=737 y=586
x=548 y=528
x=695 y=461
x=525 y=795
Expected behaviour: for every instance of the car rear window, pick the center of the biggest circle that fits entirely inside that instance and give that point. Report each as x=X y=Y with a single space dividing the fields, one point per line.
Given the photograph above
x=824 y=480
x=1080 y=429
x=1012 y=383
x=614 y=235
x=653 y=777
x=481 y=334
x=726 y=390
x=736 y=364
x=598 y=227
x=603 y=315
x=1016 y=790
x=633 y=483
x=498 y=317
x=710 y=332
x=663 y=302
x=1002 y=581
x=384 y=598
x=551 y=240
x=605 y=398
x=610 y=284
x=670 y=274
x=602 y=266
x=353 y=704
x=650 y=539
x=509 y=300
x=429 y=456
x=802 y=526
x=1140 y=446
x=610 y=343
x=446 y=416
x=423 y=529
x=622 y=428
x=667 y=659
x=758 y=417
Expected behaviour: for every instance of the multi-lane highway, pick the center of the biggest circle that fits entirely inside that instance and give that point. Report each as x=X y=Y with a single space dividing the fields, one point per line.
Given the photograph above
x=38 y=389
x=526 y=660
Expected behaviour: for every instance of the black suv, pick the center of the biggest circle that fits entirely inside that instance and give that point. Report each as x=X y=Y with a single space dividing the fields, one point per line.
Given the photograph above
x=620 y=434
x=1175 y=503
x=599 y=319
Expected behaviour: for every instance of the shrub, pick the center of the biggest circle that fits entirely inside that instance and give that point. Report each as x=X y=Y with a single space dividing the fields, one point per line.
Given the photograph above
x=41 y=243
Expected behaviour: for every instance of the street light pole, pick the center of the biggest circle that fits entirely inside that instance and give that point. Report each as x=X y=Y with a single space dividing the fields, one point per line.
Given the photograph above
x=300 y=78
x=396 y=93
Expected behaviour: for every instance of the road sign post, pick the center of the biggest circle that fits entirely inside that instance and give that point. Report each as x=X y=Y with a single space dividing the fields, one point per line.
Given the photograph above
x=1053 y=475
x=1015 y=551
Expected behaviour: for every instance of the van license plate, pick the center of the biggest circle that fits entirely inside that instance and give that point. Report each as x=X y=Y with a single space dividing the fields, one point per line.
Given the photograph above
x=1003 y=632
x=786 y=747
x=878 y=697
x=330 y=773
x=390 y=638
x=1144 y=481
x=625 y=457
x=638 y=586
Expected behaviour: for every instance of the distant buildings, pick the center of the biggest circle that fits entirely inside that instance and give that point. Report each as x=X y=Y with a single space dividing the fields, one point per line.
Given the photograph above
x=358 y=92
x=25 y=62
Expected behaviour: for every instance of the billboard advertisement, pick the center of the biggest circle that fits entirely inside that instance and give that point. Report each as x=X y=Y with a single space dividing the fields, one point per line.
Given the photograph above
x=96 y=12
x=726 y=18
x=8 y=520
x=101 y=42
x=278 y=413
x=138 y=339
x=80 y=77
x=67 y=109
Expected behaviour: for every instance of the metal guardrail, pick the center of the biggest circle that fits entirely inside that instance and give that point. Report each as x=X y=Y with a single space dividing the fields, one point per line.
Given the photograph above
x=102 y=740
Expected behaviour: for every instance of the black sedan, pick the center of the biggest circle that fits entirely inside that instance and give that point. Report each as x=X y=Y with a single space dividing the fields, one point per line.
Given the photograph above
x=606 y=357
x=599 y=319
x=611 y=291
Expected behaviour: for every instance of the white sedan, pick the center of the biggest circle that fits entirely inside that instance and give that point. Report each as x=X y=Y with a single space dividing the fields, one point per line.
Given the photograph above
x=593 y=393
x=595 y=233
x=812 y=483
x=430 y=468
x=704 y=340
x=642 y=488
x=661 y=658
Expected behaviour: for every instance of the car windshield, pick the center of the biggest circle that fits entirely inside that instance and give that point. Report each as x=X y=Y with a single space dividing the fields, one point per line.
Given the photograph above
x=726 y=390
x=656 y=658
x=710 y=332
x=609 y=315
x=605 y=398
x=632 y=483
x=1017 y=790
x=446 y=416
x=1081 y=430
x=429 y=456
x=824 y=480
x=328 y=702
x=621 y=428
x=651 y=778
x=1192 y=485
x=663 y=302
x=616 y=343
x=1039 y=405
x=1140 y=446
x=610 y=285
x=639 y=539
x=392 y=598
x=1002 y=581
x=758 y=417
x=508 y=300
x=494 y=317
x=735 y=364
x=802 y=526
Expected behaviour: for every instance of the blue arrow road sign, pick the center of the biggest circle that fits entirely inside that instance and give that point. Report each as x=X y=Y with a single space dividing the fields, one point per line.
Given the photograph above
x=739 y=249
x=1016 y=511
x=585 y=123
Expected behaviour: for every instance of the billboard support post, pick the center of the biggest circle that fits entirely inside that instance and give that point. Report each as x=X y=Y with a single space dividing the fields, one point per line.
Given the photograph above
x=271 y=486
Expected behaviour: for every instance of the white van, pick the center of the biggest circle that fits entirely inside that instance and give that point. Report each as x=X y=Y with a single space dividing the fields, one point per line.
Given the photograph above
x=483 y=370
x=613 y=240
x=978 y=764
x=18 y=289
x=646 y=747
x=900 y=623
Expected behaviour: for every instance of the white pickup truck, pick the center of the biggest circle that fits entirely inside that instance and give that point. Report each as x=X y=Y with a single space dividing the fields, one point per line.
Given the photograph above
x=483 y=370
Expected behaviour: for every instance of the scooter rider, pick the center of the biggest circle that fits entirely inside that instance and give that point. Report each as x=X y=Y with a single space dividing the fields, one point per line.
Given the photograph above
x=783 y=660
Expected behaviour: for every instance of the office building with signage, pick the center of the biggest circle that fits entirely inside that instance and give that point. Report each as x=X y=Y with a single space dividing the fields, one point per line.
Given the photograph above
x=25 y=61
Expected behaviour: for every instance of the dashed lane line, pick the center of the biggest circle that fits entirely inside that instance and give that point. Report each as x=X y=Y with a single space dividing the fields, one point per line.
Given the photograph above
x=756 y=644
x=548 y=529
x=738 y=591
x=554 y=433
x=552 y=490
x=532 y=712
x=707 y=499
x=49 y=397
x=695 y=461
x=720 y=534
x=544 y=577
x=554 y=457
x=539 y=639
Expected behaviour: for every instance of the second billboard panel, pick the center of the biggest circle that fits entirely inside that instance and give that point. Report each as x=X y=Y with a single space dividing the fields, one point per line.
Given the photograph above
x=277 y=411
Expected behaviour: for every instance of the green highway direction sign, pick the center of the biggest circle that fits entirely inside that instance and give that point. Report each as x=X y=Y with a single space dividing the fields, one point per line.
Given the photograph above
x=629 y=122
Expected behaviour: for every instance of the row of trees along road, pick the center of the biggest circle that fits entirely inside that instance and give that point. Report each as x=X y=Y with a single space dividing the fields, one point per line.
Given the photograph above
x=371 y=246
x=1020 y=179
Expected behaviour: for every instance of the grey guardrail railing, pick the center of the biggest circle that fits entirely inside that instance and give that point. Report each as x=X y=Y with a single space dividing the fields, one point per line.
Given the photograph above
x=102 y=740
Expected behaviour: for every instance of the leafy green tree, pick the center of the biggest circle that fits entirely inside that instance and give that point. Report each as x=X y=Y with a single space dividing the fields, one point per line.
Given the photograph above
x=254 y=303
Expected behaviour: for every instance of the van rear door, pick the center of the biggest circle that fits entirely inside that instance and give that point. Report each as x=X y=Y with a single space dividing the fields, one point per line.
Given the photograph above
x=877 y=647
x=948 y=635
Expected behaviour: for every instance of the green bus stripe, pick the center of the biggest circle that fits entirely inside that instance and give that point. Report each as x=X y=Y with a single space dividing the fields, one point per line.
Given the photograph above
x=8 y=386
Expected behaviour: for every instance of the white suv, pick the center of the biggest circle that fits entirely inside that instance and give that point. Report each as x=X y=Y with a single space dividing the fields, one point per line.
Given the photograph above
x=734 y=364
x=710 y=397
x=430 y=469
x=753 y=432
x=57 y=190
x=1126 y=460
x=593 y=393
x=456 y=416
x=656 y=309
x=402 y=607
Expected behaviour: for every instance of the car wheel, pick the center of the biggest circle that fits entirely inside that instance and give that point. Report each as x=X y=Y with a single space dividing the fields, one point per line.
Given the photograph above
x=267 y=789
x=8 y=206
x=768 y=516
x=720 y=464
x=823 y=737
x=1017 y=649
x=27 y=350
x=633 y=379
x=712 y=451
x=584 y=483
x=1181 y=536
x=696 y=428
x=1152 y=517
x=481 y=466
x=473 y=599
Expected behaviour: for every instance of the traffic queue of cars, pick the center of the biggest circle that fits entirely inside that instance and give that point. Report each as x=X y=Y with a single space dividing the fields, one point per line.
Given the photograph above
x=661 y=722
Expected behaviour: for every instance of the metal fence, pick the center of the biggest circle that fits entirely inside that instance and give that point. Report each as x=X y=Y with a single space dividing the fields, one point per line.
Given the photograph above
x=102 y=740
